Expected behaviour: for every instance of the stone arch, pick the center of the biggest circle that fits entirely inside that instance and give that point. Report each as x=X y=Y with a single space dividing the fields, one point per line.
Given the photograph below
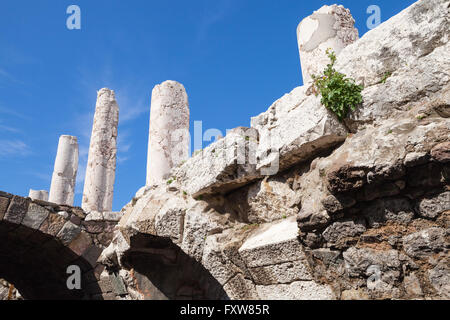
x=39 y=241
x=158 y=269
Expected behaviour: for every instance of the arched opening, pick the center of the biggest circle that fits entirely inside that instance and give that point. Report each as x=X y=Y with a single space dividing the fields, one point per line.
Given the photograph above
x=162 y=271
x=35 y=260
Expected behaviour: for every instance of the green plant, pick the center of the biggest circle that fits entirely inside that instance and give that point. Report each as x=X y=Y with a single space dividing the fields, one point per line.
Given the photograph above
x=421 y=116
x=389 y=132
x=339 y=93
x=385 y=77
x=169 y=181
x=185 y=193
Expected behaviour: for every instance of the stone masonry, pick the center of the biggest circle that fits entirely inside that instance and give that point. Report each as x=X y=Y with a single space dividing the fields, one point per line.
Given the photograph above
x=358 y=209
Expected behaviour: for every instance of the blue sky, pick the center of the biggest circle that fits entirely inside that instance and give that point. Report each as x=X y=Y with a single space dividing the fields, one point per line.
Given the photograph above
x=235 y=58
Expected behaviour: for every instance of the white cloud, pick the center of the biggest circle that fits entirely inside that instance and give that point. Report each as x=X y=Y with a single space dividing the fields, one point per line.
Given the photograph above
x=9 y=129
x=214 y=11
x=10 y=148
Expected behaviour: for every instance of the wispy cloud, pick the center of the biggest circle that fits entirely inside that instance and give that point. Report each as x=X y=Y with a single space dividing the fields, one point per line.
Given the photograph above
x=8 y=77
x=9 y=129
x=10 y=112
x=47 y=177
x=214 y=11
x=10 y=148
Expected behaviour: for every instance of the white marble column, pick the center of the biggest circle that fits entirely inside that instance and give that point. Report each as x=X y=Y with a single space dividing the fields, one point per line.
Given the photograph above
x=38 y=195
x=329 y=27
x=62 y=189
x=101 y=167
x=168 y=144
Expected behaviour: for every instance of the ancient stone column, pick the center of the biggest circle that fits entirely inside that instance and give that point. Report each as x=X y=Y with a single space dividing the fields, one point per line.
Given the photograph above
x=38 y=195
x=329 y=27
x=168 y=144
x=62 y=189
x=101 y=166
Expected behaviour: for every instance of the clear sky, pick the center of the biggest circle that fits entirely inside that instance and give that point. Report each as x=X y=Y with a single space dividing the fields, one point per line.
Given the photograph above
x=235 y=58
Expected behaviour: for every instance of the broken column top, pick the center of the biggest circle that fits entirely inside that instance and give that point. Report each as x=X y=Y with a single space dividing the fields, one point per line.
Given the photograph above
x=169 y=130
x=38 y=195
x=62 y=189
x=169 y=92
x=329 y=27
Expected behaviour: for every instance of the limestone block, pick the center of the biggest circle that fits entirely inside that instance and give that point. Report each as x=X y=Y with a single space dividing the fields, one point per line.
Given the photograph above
x=198 y=224
x=273 y=243
x=68 y=232
x=225 y=165
x=62 y=189
x=408 y=52
x=101 y=167
x=281 y=273
x=329 y=27
x=295 y=128
x=216 y=262
x=299 y=290
x=270 y=200
x=17 y=210
x=168 y=144
x=35 y=216
x=38 y=195
x=240 y=288
x=4 y=202
x=398 y=42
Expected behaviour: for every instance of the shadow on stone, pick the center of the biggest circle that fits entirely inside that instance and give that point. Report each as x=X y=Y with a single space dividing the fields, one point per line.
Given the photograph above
x=162 y=271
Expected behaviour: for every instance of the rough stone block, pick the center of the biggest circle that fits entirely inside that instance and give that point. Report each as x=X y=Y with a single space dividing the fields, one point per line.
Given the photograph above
x=223 y=166
x=273 y=244
x=35 y=216
x=4 y=202
x=426 y=242
x=281 y=273
x=240 y=288
x=283 y=144
x=81 y=243
x=434 y=206
x=17 y=210
x=409 y=50
x=441 y=152
x=299 y=290
x=53 y=224
x=68 y=232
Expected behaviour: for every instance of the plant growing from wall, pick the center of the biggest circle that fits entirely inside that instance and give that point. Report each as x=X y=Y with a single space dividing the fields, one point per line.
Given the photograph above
x=339 y=93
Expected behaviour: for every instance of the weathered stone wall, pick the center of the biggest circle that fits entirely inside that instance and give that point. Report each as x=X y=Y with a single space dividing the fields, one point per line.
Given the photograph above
x=39 y=240
x=352 y=211
x=299 y=206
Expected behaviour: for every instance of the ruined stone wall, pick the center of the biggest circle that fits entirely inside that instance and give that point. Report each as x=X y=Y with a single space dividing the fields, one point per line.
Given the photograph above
x=40 y=240
x=354 y=210
x=300 y=205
